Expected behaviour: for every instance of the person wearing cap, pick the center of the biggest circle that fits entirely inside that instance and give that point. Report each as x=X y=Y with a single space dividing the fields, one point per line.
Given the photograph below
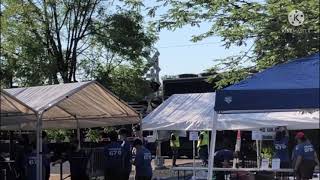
x=142 y=161
x=126 y=153
x=113 y=158
x=304 y=157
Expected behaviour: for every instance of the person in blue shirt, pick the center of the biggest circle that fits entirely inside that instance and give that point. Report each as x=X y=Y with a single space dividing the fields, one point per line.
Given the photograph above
x=304 y=157
x=113 y=158
x=222 y=159
x=46 y=155
x=281 y=147
x=22 y=149
x=142 y=161
x=31 y=164
x=126 y=153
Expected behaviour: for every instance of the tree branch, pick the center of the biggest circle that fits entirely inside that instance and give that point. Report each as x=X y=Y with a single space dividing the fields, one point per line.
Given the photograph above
x=57 y=30
x=65 y=17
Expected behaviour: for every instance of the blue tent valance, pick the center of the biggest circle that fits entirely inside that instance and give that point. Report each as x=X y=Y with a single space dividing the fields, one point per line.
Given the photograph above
x=293 y=85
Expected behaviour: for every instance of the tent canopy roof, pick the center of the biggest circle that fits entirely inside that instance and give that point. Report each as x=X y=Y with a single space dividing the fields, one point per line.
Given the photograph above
x=182 y=112
x=10 y=106
x=72 y=105
x=293 y=85
x=195 y=112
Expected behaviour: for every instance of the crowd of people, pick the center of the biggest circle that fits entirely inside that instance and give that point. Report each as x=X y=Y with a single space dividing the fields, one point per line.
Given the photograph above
x=303 y=160
x=120 y=155
x=304 y=156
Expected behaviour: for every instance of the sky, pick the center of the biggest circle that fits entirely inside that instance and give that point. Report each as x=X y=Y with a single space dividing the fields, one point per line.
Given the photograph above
x=178 y=55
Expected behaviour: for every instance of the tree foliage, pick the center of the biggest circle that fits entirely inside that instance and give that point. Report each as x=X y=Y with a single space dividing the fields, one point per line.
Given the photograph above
x=52 y=41
x=125 y=81
x=265 y=23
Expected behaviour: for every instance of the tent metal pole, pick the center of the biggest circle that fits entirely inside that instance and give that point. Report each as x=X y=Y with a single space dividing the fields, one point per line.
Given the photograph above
x=78 y=133
x=39 y=146
x=194 y=160
x=258 y=156
x=260 y=148
x=212 y=145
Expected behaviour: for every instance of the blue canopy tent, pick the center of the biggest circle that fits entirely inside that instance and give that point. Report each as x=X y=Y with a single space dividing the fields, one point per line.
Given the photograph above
x=285 y=87
x=293 y=85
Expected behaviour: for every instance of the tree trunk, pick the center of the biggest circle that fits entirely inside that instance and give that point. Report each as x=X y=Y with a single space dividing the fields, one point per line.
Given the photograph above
x=55 y=78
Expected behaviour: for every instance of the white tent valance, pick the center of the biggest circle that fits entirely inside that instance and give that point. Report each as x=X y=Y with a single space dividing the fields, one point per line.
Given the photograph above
x=72 y=105
x=195 y=112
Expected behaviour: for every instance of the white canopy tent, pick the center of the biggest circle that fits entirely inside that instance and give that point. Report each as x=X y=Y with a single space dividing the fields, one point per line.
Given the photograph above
x=195 y=112
x=70 y=106
x=73 y=105
x=285 y=87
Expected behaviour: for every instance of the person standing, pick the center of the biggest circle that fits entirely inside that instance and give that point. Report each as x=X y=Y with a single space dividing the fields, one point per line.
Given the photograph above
x=304 y=157
x=113 y=157
x=175 y=145
x=126 y=153
x=142 y=161
x=222 y=159
x=46 y=155
x=137 y=131
x=31 y=164
x=21 y=151
x=203 y=147
x=78 y=161
x=281 y=147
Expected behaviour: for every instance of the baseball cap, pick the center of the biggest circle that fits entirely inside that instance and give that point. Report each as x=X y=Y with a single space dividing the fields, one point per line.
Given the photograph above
x=299 y=135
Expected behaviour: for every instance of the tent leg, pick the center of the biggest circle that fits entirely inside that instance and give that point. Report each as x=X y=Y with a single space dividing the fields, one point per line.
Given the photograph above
x=258 y=156
x=39 y=146
x=78 y=133
x=78 y=137
x=11 y=145
x=194 y=161
x=212 y=146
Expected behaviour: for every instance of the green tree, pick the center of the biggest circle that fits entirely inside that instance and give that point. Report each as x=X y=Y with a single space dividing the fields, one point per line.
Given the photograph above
x=265 y=23
x=125 y=81
x=45 y=42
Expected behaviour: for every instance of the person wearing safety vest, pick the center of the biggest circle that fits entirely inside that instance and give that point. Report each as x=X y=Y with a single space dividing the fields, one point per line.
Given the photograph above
x=202 y=146
x=175 y=145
